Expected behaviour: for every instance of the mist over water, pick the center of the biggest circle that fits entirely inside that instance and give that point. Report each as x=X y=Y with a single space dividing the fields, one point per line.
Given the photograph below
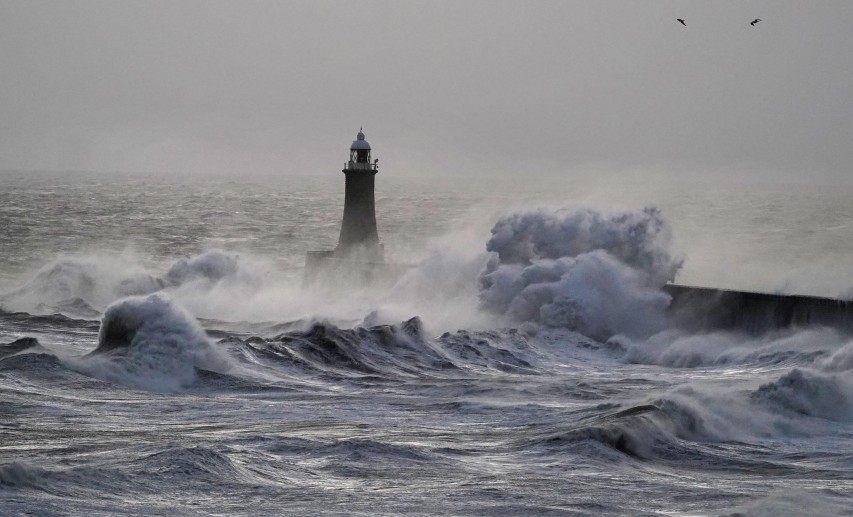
x=159 y=353
x=731 y=234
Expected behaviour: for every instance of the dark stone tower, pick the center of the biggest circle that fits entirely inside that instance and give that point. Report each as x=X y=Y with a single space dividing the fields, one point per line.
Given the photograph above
x=359 y=257
x=358 y=230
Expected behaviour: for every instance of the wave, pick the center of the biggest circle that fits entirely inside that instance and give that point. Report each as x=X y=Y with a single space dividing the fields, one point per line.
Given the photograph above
x=20 y=475
x=387 y=351
x=812 y=393
x=659 y=432
x=486 y=350
x=39 y=366
x=325 y=348
x=31 y=362
x=797 y=404
x=151 y=343
x=210 y=381
x=192 y=465
x=360 y=450
x=26 y=321
x=675 y=348
x=583 y=270
x=19 y=345
x=605 y=429
x=705 y=424
x=82 y=483
x=793 y=501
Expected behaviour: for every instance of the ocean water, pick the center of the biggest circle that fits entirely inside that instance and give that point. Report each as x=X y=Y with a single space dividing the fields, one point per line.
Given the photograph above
x=159 y=353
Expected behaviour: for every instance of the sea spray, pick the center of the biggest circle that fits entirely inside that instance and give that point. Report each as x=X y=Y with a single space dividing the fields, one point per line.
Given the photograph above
x=151 y=343
x=80 y=286
x=584 y=270
x=211 y=265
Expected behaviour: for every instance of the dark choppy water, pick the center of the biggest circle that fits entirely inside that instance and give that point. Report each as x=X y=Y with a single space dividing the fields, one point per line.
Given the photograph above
x=235 y=391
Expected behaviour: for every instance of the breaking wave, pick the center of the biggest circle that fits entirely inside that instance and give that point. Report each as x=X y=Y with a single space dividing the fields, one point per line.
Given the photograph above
x=675 y=348
x=691 y=426
x=583 y=270
x=667 y=431
x=151 y=343
x=811 y=393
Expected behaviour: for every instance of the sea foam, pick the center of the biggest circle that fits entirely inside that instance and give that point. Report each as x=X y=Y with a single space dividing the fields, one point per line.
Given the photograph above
x=151 y=343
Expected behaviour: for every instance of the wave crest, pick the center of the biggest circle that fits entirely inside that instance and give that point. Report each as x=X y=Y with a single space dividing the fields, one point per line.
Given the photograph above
x=151 y=343
x=811 y=393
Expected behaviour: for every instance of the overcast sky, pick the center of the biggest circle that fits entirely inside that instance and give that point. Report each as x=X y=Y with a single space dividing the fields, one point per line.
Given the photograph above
x=456 y=86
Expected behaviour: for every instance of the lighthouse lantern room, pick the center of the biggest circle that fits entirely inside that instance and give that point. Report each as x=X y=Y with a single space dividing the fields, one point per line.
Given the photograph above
x=359 y=157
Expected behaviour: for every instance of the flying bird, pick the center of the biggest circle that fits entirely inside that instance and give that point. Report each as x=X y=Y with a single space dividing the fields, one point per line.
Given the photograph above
x=681 y=21
x=753 y=22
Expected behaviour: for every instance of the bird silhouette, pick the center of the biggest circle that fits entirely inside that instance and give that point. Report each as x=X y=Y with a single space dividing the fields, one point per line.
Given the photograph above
x=681 y=21
x=753 y=22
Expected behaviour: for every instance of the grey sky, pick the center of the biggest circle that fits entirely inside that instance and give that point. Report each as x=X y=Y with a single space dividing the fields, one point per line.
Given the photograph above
x=454 y=86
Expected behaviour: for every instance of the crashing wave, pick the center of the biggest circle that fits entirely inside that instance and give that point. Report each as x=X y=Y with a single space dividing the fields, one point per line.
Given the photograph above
x=811 y=393
x=598 y=274
x=151 y=343
x=637 y=239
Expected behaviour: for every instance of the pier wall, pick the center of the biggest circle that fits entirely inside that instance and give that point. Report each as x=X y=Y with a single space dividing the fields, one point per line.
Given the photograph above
x=702 y=308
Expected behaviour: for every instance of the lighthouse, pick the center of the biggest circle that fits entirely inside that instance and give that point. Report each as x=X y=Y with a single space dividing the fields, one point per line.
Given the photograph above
x=359 y=257
x=359 y=235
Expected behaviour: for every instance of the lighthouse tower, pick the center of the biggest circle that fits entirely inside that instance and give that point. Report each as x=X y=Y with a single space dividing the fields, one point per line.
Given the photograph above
x=359 y=257
x=358 y=229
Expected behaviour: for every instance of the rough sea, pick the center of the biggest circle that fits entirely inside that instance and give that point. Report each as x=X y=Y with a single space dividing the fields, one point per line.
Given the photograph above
x=159 y=353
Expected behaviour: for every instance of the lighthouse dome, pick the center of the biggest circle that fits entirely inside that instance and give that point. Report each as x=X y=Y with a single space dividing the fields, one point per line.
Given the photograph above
x=359 y=142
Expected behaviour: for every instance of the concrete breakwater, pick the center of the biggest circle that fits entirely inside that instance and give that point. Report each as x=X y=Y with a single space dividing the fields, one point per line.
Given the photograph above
x=703 y=308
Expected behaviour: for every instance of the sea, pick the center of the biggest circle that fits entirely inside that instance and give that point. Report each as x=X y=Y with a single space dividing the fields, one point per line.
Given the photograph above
x=161 y=354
